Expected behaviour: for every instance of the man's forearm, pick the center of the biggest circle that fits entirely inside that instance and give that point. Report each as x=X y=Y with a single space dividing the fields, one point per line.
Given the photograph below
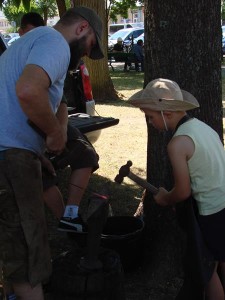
x=62 y=115
x=40 y=113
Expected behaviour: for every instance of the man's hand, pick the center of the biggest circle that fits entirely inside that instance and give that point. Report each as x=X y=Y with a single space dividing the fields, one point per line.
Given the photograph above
x=56 y=141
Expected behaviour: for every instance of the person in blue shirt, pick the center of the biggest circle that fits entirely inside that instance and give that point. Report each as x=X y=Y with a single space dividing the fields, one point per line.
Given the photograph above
x=32 y=74
x=138 y=50
x=82 y=165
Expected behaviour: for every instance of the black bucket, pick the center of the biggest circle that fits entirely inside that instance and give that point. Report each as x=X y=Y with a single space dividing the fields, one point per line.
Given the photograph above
x=124 y=235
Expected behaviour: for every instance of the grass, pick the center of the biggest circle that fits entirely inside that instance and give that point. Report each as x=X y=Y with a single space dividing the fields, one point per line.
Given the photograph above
x=120 y=143
x=127 y=83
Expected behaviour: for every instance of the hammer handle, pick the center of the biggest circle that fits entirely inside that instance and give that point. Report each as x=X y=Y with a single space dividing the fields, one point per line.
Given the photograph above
x=143 y=183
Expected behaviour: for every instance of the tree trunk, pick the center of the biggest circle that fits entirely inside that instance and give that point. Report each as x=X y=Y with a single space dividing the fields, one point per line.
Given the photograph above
x=102 y=86
x=45 y=11
x=182 y=43
x=61 y=7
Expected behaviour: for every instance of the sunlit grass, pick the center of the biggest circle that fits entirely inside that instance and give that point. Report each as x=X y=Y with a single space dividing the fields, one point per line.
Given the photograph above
x=127 y=83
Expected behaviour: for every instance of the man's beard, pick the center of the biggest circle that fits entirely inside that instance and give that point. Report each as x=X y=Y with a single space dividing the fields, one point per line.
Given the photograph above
x=77 y=50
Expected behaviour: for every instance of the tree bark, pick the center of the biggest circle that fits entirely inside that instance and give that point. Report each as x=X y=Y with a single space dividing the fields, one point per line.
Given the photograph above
x=182 y=43
x=102 y=86
x=61 y=7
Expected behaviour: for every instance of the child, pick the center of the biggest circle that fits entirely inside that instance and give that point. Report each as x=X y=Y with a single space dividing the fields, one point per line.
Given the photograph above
x=197 y=157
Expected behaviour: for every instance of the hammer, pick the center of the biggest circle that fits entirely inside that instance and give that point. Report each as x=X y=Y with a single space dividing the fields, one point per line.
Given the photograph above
x=124 y=171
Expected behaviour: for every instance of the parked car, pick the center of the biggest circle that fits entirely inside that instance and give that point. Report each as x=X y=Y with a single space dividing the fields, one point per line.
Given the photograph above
x=3 y=45
x=81 y=105
x=223 y=40
x=140 y=37
x=223 y=46
x=127 y=35
x=9 y=36
x=223 y=30
x=115 y=27
x=12 y=40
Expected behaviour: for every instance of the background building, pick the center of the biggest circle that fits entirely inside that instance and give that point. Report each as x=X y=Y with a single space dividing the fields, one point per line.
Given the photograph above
x=4 y=23
x=135 y=15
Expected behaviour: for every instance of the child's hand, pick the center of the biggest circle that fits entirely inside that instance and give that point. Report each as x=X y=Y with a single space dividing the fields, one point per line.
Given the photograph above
x=160 y=197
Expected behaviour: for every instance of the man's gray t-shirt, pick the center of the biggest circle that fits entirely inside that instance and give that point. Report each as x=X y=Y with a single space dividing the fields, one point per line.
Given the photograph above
x=46 y=48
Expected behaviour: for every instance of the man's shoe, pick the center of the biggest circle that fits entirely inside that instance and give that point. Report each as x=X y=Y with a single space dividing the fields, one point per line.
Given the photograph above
x=72 y=225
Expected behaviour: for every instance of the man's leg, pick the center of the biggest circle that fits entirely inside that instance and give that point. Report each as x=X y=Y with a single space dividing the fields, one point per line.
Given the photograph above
x=52 y=195
x=54 y=200
x=83 y=161
x=142 y=66
x=78 y=183
x=24 y=250
x=136 y=66
x=125 y=67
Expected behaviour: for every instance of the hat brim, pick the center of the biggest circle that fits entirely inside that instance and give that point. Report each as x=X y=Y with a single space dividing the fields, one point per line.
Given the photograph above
x=189 y=102
x=97 y=52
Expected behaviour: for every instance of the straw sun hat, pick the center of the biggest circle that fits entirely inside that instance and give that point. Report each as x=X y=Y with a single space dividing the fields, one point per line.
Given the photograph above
x=163 y=94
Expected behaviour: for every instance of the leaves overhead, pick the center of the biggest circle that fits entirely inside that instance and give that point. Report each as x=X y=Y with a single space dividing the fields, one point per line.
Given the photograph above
x=120 y=7
x=17 y=3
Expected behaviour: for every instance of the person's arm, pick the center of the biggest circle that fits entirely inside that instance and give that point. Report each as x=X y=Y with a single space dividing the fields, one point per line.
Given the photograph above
x=180 y=149
x=62 y=116
x=32 y=91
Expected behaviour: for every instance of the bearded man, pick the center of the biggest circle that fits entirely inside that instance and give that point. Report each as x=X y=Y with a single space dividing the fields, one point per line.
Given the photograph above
x=32 y=73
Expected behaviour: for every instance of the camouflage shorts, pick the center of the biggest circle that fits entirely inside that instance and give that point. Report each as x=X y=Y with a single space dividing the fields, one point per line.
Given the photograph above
x=24 y=248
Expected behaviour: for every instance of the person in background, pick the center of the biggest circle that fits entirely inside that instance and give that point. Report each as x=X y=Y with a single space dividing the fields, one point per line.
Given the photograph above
x=31 y=89
x=118 y=47
x=197 y=157
x=30 y=21
x=139 y=54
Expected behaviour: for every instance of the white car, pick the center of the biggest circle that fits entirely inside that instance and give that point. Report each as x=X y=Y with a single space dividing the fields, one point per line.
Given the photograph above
x=9 y=36
x=141 y=37
x=12 y=40
x=115 y=27
x=126 y=34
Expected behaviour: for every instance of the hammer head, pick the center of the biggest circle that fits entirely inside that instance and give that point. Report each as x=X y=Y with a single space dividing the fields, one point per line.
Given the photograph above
x=123 y=172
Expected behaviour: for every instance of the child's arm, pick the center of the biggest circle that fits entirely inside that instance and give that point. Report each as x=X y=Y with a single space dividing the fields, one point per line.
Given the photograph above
x=180 y=150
